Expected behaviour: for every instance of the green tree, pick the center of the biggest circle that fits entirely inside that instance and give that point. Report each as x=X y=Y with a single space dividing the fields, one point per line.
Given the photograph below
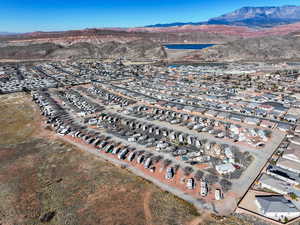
x=293 y=196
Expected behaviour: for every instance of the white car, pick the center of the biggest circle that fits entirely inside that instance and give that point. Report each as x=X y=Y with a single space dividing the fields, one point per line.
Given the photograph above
x=218 y=194
x=170 y=173
x=203 y=188
x=190 y=184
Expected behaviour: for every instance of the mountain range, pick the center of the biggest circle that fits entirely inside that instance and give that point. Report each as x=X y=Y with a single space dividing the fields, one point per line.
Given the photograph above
x=254 y=17
x=6 y=33
x=249 y=33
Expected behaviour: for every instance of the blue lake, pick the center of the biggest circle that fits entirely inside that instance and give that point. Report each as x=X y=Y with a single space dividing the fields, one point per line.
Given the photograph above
x=188 y=46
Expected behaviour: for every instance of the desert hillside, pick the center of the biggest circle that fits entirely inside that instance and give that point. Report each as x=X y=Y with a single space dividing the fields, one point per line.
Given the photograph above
x=260 y=48
x=112 y=49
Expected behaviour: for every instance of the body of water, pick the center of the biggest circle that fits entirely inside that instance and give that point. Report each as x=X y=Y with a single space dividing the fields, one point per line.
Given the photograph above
x=188 y=46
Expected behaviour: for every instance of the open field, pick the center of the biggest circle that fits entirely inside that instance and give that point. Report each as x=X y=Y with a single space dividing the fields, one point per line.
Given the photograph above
x=39 y=177
x=17 y=118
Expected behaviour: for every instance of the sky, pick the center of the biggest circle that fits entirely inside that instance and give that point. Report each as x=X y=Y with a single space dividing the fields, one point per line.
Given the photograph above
x=56 y=15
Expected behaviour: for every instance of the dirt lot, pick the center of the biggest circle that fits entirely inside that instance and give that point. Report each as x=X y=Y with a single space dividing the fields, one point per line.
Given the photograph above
x=39 y=177
x=236 y=220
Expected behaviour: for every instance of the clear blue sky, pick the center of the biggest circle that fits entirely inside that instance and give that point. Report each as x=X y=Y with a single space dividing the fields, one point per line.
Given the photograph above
x=51 y=15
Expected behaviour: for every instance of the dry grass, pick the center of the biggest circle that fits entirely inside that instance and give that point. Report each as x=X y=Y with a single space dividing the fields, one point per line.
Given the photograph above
x=168 y=209
x=232 y=220
x=17 y=118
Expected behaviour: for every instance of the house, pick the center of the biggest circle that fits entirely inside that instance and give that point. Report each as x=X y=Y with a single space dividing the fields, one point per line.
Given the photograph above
x=211 y=113
x=252 y=120
x=283 y=127
x=267 y=124
x=283 y=174
x=274 y=115
x=236 y=108
x=228 y=153
x=200 y=110
x=260 y=112
x=276 y=207
x=266 y=107
x=234 y=128
x=291 y=118
x=223 y=115
x=269 y=96
x=271 y=183
x=253 y=105
x=288 y=165
x=236 y=118
x=295 y=140
x=297 y=129
x=188 y=109
x=292 y=154
x=225 y=168
x=248 y=110
x=223 y=106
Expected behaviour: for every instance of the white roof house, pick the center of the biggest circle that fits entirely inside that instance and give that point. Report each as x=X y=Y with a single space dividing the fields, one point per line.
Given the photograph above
x=228 y=152
x=225 y=168
x=252 y=120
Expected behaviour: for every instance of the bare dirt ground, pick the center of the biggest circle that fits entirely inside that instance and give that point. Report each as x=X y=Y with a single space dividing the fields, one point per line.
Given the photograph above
x=147 y=208
x=174 y=54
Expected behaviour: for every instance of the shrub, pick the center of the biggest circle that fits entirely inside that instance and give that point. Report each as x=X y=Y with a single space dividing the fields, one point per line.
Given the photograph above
x=176 y=167
x=157 y=158
x=225 y=184
x=236 y=174
x=293 y=196
x=211 y=179
x=187 y=170
x=167 y=162
x=199 y=175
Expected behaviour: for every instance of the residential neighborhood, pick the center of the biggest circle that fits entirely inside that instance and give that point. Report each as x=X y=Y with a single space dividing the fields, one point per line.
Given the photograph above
x=225 y=138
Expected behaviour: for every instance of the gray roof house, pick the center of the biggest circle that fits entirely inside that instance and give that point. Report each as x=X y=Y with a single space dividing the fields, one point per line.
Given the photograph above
x=288 y=164
x=283 y=174
x=292 y=153
x=276 y=207
x=269 y=182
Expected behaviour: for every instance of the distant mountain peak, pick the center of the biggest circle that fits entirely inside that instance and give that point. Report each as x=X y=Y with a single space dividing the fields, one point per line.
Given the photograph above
x=6 y=33
x=266 y=16
x=254 y=17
